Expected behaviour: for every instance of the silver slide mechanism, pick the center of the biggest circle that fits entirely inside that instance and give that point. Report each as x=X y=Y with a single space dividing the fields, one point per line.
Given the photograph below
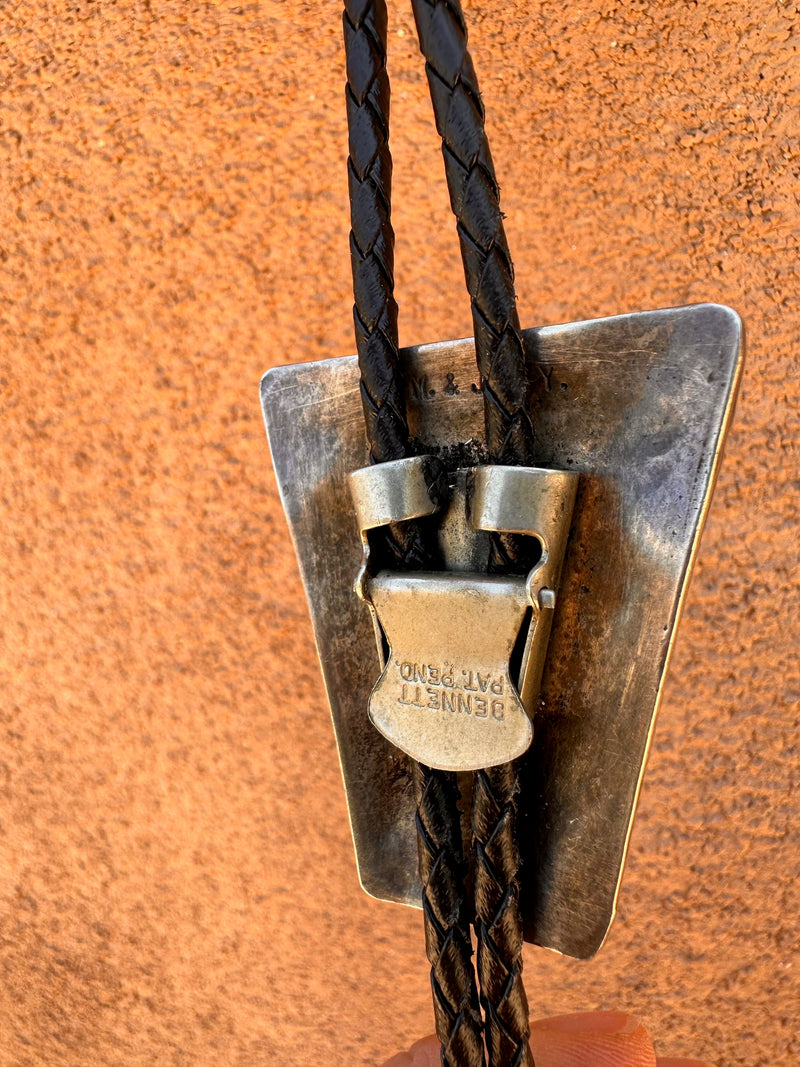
x=462 y=651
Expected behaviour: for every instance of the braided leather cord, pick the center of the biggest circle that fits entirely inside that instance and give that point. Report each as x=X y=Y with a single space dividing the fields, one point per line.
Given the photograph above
x=369 y=170
x=441 y=858
x=474 y=198
x=498 y=922
x=443 y=867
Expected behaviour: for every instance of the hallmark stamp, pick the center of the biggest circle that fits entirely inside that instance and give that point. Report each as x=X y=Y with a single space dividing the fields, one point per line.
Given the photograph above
x=446 y=688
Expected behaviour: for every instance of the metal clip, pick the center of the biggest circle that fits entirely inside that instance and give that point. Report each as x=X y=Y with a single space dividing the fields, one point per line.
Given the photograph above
x=462 y=651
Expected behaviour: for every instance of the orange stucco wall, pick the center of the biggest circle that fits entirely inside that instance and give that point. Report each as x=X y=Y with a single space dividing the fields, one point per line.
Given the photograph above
x=176 y=878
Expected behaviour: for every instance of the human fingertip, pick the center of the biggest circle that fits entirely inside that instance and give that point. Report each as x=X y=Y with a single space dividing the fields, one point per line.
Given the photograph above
x=671 y=1061
x=602 y=1039
x=593 y=1022
x=423 y=1053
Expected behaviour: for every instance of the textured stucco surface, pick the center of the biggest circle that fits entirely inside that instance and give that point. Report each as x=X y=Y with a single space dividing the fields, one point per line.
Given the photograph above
x=176 y=877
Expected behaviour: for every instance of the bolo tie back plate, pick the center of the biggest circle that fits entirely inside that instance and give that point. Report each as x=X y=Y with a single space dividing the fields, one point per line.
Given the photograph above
x=637 y=406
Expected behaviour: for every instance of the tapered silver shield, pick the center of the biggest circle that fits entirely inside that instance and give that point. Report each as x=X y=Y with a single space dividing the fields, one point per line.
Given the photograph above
x=637 y=405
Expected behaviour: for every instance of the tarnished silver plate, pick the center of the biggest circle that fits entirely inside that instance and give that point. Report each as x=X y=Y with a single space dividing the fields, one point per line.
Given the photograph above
x=638 y=405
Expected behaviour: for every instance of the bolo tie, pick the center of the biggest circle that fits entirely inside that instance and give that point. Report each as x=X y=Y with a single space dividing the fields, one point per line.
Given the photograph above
x=494 y=581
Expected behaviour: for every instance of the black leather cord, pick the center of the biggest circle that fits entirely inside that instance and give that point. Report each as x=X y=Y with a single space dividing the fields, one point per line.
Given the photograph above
x=474 y=198
x=369 y=170
x=441 y=858
x=498 y=922
x=443 y=868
